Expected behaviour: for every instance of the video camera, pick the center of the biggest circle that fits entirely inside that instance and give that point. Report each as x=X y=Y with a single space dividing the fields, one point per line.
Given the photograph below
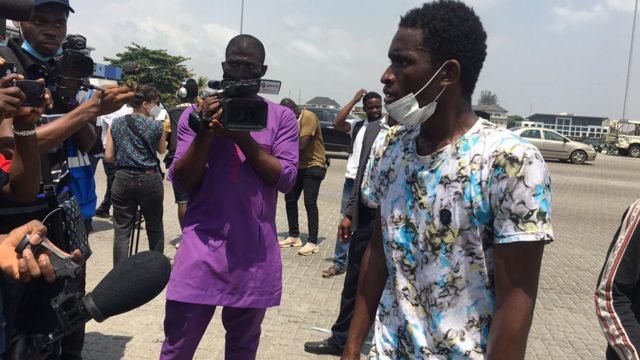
x=239 y=113
x=74 y=69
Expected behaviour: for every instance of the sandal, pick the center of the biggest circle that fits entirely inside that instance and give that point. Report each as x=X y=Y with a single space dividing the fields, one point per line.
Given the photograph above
x=332 y=271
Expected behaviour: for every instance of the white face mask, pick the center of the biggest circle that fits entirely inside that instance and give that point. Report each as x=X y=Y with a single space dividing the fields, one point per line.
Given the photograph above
x=407 y=111
x=155 y=111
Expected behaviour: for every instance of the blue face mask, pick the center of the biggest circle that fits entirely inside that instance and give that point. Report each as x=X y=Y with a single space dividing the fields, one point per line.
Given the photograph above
x=26 y=46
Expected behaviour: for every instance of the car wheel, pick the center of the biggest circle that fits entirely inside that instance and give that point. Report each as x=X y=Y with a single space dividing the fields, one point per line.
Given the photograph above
x=578 y=157
x=634 y=151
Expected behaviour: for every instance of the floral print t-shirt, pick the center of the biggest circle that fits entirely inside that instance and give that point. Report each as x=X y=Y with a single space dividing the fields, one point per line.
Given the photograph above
x=442 y=216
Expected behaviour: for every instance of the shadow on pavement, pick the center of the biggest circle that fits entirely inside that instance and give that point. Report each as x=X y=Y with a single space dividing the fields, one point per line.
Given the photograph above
x=105 y=347
x=101 y=225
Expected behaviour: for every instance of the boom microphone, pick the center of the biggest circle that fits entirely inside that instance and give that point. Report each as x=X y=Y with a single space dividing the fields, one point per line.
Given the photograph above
x=131 y=284
x=18 y=10
x=131 y=68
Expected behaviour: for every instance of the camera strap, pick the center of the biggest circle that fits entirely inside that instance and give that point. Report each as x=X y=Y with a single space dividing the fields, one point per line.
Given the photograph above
x=135 y=131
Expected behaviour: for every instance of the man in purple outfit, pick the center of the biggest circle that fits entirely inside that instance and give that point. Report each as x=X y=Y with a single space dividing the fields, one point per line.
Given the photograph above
x=229 y=255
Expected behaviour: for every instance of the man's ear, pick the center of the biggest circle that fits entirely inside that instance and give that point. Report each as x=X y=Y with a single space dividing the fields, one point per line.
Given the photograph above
x=264 y=70
x=450 y=73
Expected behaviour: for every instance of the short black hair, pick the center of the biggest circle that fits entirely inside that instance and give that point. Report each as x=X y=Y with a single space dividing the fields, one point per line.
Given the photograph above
x=451 y=31
x=192 y=89
x=248 y=42
x=289 y=103
x=370 y=95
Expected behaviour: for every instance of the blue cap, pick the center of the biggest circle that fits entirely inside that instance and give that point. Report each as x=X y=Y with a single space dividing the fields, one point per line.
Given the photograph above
x=61 y=2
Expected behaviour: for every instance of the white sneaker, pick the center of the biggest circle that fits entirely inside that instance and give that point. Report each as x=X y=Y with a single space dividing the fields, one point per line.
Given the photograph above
x=290 y=242
x=309 y=249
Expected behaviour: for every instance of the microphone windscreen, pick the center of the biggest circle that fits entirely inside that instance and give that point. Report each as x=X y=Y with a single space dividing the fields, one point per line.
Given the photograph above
x=18 y=10
x=132 y=283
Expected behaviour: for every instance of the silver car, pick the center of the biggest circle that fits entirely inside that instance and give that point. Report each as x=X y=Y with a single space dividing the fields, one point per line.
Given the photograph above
x=555 y=146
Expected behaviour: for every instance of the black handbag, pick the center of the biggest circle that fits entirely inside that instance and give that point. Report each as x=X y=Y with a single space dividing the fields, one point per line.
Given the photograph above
x=74 y=229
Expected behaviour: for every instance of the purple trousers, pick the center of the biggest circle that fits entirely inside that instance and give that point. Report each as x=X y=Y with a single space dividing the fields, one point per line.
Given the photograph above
x=184 y=325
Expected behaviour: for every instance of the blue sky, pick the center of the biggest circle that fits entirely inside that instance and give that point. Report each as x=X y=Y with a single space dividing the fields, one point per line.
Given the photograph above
x=544 y=56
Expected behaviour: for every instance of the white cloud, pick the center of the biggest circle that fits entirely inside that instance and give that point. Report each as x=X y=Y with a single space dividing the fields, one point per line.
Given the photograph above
x=566 y=16
x=622 y=5
x=309 y=50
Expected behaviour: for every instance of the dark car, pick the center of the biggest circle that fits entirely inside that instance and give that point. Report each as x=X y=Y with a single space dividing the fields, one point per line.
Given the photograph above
x=334 y=139
x=596 y=143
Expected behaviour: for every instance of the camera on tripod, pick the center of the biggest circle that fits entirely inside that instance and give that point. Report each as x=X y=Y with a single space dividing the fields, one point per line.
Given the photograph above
x=239 y=113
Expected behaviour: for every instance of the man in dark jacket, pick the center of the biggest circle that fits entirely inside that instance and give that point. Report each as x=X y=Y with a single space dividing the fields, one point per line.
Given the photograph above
x=355 y=228
x=617 y=296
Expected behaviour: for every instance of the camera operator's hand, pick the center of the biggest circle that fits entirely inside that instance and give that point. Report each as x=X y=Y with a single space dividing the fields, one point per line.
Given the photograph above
x=211 y=109
x=26 y=266
x=110 y=99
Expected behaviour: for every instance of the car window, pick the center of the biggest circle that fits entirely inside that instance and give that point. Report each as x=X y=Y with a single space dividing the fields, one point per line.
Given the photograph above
x=548 y=135
x=530 y=134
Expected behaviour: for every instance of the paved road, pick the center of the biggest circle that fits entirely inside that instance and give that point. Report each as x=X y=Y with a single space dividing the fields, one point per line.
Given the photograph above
x=588 y=202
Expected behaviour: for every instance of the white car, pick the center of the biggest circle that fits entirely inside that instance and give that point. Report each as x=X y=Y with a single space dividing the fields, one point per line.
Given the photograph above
x=555 y=146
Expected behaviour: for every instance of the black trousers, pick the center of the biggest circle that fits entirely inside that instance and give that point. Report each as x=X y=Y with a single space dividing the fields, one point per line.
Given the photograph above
x=110 y=171
x=358 y=244
x=309 y=180
x=130 y=190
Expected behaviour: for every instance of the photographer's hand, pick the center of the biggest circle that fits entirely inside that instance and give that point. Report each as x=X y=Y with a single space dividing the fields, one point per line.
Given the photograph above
x=110 y=99
x=26 y=117
x=24 y=178
x=10 y=96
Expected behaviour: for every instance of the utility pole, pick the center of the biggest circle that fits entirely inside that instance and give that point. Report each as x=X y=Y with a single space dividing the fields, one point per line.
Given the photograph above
x=241 y=16
x=626 y=90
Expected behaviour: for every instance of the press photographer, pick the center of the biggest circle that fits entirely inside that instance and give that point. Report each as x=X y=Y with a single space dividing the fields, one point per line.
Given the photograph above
x=68 y=124
x=233 y=179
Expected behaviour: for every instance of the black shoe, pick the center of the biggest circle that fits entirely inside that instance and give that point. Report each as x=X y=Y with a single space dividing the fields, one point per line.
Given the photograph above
x=102 y=213
x=323 y=347
x=89 y=227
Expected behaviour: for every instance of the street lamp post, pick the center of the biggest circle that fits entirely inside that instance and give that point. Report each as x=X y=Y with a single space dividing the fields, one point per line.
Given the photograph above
x=242 y=15
x=626 y=90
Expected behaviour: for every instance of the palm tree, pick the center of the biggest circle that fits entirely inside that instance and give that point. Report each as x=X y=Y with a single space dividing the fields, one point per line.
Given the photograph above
x=203 y=82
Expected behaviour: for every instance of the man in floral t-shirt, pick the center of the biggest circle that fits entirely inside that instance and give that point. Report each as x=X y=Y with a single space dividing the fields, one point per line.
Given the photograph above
x=464 y=208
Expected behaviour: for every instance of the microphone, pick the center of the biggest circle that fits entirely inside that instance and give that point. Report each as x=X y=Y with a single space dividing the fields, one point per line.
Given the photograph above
x=131 y=284
x=18 y=10
x=131 y=68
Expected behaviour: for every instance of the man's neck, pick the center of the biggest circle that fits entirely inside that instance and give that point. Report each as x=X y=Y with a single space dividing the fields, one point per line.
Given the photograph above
x=372 y=120
x=445 y=128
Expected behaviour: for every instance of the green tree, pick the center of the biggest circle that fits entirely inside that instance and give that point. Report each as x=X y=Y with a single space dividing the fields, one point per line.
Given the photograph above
x=168 y=73
x=512 y=120
x=488 y=98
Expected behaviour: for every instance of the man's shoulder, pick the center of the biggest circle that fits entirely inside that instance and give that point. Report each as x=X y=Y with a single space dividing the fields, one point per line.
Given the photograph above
x=10 y=57
x=280 y=111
